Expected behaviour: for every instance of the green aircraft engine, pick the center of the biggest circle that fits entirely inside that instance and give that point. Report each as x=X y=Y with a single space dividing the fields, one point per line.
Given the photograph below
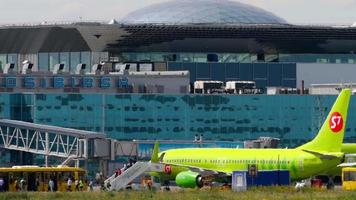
x=189 y=179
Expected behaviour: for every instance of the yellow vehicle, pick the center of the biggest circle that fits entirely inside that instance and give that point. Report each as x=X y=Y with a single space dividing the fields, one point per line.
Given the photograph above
x=349 y=178
x=34 y=178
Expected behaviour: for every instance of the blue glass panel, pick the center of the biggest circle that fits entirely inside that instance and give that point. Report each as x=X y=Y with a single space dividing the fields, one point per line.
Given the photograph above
x=3 y=61
x=246 y=72
x=261 y=83
x=43 y=62
x=289 y=71
x=64 y=59
x=217 y=71
x=203 y=71
x=191 y=67
x=53 y=60
x=232 y=71
x=274 y=75
x=85 y=58
x=260 y=71
x=289 y=83
x=12 y=58
x=174 y=66
x=74 y=61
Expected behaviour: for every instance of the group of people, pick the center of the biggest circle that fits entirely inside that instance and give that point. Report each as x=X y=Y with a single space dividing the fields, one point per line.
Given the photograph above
x=20 y=184
x=79 y=185
x=125 y=167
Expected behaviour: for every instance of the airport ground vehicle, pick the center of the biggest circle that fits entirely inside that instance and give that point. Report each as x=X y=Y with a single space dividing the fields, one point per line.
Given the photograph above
x=37 y=178
x=349 y=178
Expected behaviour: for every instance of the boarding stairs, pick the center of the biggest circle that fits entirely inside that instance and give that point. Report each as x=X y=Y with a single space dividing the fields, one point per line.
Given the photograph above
x=121 y=181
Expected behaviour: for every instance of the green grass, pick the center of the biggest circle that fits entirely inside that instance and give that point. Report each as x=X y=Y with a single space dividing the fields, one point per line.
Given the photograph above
x=261 y=193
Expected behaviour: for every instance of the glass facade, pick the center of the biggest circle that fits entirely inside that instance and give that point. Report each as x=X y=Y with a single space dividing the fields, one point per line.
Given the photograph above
x=47 y=61
x=12 y=58
x=53 y=60
x=293 y=119
x=189 y=57
x=64 y=59
x=265 y=74
x=318 y=58
x=85 y=58
x=43 y=62
x=3 y=61
x=202 y=11
x=74 y=61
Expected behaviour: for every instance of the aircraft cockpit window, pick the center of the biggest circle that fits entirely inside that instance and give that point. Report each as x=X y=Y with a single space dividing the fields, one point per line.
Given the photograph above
x=161 y=157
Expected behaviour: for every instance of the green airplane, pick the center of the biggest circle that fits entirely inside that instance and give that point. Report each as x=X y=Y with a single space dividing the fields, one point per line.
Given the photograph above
x=191 y=167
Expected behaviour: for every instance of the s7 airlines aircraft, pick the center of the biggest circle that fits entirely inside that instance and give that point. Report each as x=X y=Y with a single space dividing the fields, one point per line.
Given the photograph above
x=190 y=167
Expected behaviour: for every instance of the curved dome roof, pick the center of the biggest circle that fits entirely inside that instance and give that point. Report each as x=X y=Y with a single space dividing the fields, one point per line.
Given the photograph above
x=202 y=12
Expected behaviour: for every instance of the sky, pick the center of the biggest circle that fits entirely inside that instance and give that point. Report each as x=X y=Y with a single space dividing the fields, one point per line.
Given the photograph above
x=294 y=11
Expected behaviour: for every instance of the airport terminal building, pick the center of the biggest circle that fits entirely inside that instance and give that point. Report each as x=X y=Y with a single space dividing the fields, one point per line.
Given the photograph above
x=167 y=47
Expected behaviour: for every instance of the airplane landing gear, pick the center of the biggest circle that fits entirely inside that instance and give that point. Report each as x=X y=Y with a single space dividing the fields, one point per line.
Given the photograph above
x=330 y=185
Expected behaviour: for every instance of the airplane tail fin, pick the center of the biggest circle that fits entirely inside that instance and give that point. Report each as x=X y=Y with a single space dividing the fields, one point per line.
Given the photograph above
x=154 y=157
x=331 y=134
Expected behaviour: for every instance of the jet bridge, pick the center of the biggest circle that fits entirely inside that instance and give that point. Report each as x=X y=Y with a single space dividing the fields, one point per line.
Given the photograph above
x=47 y=140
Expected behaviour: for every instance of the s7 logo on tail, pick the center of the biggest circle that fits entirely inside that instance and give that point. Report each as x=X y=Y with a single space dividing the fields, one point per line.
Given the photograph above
x=336 y=122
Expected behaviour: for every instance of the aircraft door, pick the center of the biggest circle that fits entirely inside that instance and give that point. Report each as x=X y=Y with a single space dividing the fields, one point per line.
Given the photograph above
x=301 y=164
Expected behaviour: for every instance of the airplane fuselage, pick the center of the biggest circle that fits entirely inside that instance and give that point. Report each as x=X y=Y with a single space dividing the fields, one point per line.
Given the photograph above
x=301 y=164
